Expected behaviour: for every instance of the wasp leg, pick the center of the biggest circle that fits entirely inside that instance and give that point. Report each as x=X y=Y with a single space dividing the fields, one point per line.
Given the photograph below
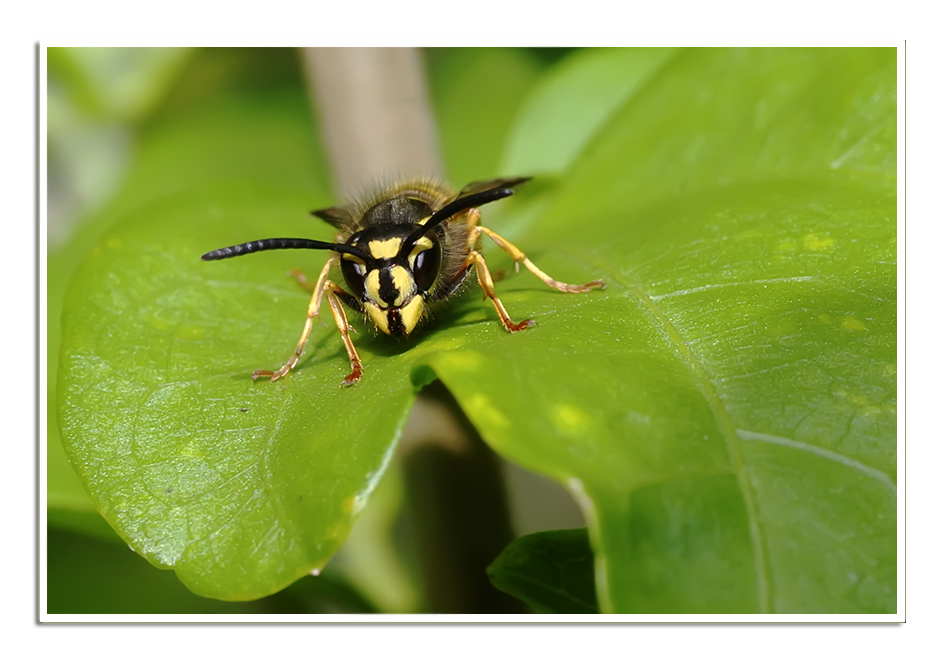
x=341 y=320
x=327 y=288
x=486 y=282
x=519 y=256
x=300 y=278
x=472 y=228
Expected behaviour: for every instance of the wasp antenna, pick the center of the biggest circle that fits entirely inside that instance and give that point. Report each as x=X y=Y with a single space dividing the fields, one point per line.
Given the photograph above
x=455 y=207
x=281 y=243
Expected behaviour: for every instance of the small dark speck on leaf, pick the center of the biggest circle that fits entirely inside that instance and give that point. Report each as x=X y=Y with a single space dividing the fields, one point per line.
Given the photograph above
x=168 y=491
x=300 y=498
x=242 y=409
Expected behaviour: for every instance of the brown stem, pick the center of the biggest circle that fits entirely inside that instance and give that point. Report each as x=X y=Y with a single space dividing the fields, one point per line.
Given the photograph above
x=376 y=120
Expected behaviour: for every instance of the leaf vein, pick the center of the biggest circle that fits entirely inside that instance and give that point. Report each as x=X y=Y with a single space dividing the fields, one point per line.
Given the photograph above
x=872 y=472
x=713 y=286
x=728 y=430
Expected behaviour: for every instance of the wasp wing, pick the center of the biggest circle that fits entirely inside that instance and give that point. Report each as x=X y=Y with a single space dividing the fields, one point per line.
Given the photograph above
x=489 y=185
x=334 y=216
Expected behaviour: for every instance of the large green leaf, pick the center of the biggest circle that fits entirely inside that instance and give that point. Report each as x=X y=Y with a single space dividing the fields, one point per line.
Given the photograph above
x=726 y=409
x=728 y=406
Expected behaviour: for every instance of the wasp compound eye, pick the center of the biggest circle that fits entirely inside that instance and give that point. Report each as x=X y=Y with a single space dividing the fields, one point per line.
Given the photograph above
x=427 y=267
x=354 y=274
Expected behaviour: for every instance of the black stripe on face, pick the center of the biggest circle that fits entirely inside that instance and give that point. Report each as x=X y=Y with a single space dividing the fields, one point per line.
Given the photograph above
x=395 y=324
x=386 y=287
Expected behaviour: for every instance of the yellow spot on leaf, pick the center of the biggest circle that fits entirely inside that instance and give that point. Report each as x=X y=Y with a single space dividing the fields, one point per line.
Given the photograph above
x=852 y=324
x=824 y=319
x=463 y=361
x=482 y=408
x=813 y=242
x=570 y=420
x=787 y=245
x=191 y=332
x=113 y=243
x=441 y=343
x=860 y=399
x=159 y=325
x=338 y=532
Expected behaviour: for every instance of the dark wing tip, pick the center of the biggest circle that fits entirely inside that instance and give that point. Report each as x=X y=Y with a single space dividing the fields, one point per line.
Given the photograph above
x=517 y=182
x=334 y=216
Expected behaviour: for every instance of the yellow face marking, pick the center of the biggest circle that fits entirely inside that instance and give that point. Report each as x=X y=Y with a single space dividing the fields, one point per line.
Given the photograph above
x=410 y=314
x=378 y=316
x=403 y=283
x=373 y=285
x=423 y=244
x=384 y=248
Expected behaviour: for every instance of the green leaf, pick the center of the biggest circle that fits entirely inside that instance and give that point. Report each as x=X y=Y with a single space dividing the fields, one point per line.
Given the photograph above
x=116 y=83
x=554 y=572
x=241 y=486
x=230 y=138
x=726 y=410
x=475 y=93
x=573 y=103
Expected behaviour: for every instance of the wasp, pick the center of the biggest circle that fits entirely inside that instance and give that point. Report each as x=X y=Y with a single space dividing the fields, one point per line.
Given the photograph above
x=400 y=250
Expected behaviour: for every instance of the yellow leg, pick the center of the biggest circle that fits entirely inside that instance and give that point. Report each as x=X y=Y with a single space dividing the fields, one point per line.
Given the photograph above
x=341 y=321
x=486 y=282
x=519 y=256
x=472 y=227
x=327 y=288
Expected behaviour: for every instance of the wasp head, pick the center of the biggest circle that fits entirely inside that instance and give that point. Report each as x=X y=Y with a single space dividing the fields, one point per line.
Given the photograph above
x=394 y=282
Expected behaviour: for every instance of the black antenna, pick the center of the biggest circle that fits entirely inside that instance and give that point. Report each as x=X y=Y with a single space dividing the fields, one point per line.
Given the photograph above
x=457 y=206
x=283 y=243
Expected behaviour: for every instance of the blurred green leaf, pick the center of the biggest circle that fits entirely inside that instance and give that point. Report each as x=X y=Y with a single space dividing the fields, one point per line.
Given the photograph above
x=116 y=83
x=476 y=93
x=87 y=576
x=572 y=103
x=554 y=571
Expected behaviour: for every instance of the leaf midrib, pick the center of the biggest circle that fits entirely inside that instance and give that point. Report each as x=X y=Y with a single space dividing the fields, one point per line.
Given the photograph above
x=726 y=428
